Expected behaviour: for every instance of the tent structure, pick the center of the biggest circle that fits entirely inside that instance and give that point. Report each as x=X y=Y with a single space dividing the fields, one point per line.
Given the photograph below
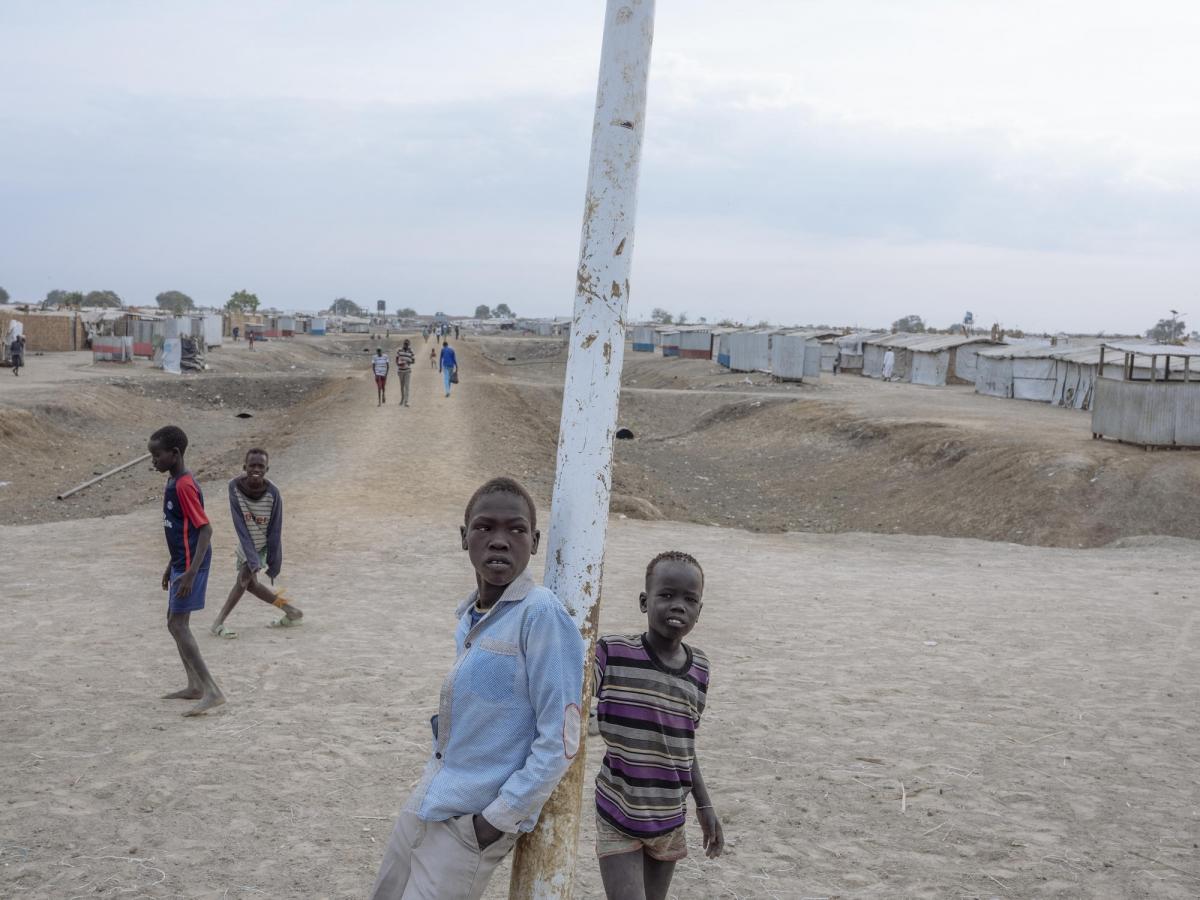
x=1155 y=404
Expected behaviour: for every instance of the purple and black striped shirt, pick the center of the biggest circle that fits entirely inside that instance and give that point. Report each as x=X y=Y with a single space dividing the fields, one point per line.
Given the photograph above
x=648 y=715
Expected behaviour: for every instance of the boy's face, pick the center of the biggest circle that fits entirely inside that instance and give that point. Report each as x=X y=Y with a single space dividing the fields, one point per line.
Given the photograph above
x=256 y=469
x=672 y=601
x=498 y=537
x=162 y=458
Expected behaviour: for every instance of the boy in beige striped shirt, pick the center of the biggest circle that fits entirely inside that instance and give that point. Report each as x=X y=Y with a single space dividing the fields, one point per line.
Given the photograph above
x=257 y=510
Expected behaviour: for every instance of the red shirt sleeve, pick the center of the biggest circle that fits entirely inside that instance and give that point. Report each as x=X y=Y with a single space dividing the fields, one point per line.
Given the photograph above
x=189 y=502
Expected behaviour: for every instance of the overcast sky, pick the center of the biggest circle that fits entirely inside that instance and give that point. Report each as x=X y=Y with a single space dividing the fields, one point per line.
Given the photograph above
x=1034 y=161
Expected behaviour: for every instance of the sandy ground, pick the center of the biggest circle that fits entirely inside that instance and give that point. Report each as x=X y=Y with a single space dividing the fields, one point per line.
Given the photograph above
x=891 y=716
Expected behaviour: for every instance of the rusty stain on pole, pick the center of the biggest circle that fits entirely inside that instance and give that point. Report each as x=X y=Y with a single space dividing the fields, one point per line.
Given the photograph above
x=544 y=863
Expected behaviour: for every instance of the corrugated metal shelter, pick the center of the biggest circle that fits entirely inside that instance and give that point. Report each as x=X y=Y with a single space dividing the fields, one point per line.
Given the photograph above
x=318 y=326
x=802 y=355
x=722 y=345
x=670 y=342
x=1016 y=372
x=112 y=348
x=850 y=347
x=1064 y=376
x=929 y=359
x=213 y=325
x=643 y=338
x=750 y=351
x=1162 y=410
x=795 y=356
x=695 y=342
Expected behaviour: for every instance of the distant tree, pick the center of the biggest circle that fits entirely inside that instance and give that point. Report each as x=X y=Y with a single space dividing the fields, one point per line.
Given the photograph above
x=681 y=319
x=175 y=302
x=343 y=306
x=702 y=320
x=726 y=323
x=3 y=295
x=482 y=311
x=502 y=312
x=62 y=298
x=406 y=312
x=763 y=323
x=242 y=301
x=661 y=316
x=912 y=324
x=102 y=298
x=1168 y=331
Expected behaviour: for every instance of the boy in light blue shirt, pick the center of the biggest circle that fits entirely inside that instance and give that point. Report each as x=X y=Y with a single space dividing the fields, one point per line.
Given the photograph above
x=508 y=722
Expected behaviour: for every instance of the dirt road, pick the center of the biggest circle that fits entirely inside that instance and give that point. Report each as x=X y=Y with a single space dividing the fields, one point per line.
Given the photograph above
x=890 y=715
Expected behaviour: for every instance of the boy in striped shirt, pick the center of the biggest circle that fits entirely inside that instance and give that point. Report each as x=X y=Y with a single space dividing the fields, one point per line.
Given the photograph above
x=257 y=508
x=404 y=366
x=379 y=367
x=650 y=691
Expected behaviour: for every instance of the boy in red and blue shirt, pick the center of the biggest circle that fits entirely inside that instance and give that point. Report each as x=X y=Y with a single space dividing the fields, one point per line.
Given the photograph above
x=188 y=534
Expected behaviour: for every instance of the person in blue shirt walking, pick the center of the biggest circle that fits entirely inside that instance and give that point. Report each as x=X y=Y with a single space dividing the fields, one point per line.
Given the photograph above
x=508 y=722
x=448 y=366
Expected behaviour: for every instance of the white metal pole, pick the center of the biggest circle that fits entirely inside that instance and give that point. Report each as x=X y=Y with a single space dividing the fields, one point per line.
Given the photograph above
x=544 y=865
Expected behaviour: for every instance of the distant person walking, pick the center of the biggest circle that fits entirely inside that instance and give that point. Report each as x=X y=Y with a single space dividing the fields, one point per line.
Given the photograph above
x=379 y=366
x=404 y=366
x=250 y=338
x=889 y=365
x=433 y=357
x=456 y=332
x=16 y=353
x=448 y=366
x=235 y=333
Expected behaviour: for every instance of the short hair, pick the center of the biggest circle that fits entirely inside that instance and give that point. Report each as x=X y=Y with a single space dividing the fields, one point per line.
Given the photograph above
x=674 y=556
x=378 y=349
x=170 y=437
x=445 y=343
x=502 y=485
x=258 y=450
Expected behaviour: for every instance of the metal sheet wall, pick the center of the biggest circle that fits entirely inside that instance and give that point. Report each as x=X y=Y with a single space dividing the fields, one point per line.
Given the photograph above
x=1033 y=378
x=695 y=344
x=787 y=356
x=927 y=368
x=1160 y=414
x=993 y=377
x=749 y=351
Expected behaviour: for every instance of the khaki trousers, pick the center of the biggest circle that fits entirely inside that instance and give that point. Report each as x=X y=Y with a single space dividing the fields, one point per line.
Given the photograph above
x=405 y=380
x=437 y=860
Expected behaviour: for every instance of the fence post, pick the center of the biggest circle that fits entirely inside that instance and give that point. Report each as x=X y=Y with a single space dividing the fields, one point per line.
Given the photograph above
x=544 y=863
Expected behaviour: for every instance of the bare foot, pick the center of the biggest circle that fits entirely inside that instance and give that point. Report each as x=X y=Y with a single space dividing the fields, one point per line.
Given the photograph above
x=206 y=703
x=188 y=693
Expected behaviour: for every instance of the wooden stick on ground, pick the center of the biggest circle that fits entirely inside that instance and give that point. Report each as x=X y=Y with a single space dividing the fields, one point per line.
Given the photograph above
x=79 y=487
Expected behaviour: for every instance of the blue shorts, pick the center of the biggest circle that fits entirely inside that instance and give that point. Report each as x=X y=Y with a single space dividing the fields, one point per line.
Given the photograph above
x=195 y=599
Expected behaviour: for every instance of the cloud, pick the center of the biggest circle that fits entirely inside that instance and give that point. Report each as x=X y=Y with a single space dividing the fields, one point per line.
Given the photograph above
x=837 y=163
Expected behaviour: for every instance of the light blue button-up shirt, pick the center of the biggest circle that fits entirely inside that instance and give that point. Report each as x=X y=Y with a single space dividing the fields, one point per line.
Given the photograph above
x=508 y=721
